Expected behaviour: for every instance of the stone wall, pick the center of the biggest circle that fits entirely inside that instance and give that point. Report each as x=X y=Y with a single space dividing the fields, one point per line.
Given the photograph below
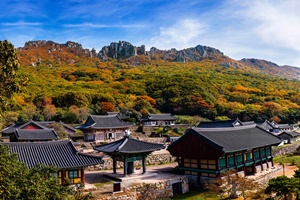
x=157 y=190
x=285 y=149
x=162 y=189
x=152 y=159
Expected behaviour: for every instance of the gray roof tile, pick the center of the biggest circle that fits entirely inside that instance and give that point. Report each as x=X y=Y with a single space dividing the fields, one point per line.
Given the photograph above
x=157 y=117
x=104 y=121
x=237 y=138
x=129 y=145
x=224 y=124
x=61 y=154
x=36 y=134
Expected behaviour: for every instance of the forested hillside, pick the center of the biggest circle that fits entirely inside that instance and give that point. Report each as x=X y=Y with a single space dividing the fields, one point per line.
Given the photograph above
x=67 y=82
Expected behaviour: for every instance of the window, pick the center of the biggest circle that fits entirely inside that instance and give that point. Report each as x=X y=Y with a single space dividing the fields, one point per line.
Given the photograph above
x=222 y=163
x=239 y=159
x=262 y=153
x=191 y=173
x=190 y=163
x=248 y=156
x=268 y=150
x=256 y=155
x=208 y=164
x=230 y=161
x=73 y=174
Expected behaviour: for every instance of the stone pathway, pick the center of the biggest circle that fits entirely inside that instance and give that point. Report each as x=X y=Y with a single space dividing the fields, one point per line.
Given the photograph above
x=94 y=177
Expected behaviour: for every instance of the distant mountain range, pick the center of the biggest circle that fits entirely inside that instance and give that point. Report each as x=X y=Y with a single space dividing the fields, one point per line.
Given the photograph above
x=49 y=53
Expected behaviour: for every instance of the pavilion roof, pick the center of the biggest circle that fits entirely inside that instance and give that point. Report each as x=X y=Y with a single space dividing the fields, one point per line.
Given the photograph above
x=129 y=145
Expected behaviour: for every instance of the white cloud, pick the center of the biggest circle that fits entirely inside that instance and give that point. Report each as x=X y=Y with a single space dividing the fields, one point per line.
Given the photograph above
x=277 y=22
x=21 y=23
x=92 y=25
x=183 y=34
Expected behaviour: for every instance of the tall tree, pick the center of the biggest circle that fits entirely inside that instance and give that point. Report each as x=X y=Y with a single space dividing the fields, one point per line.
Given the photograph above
x=9 y=65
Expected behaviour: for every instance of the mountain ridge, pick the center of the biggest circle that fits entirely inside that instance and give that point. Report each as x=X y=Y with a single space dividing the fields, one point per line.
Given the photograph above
x=50 y=53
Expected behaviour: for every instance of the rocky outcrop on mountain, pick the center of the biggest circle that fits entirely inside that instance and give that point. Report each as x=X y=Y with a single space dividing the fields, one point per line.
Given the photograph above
x=191 y=54
x=271 y=68
x=49 y=53
x=121 y=49
x=53 y=46
x=124 y=49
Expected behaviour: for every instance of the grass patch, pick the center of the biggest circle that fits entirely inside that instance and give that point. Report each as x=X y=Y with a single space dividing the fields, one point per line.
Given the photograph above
x=196 y=194
x=288 y=159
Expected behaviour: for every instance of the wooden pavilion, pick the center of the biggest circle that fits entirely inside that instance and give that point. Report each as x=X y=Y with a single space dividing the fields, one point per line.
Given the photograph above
x=128 y=150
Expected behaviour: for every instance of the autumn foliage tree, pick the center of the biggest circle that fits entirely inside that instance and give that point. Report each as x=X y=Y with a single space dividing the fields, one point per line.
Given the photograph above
x=9 y=66
x=230 y=183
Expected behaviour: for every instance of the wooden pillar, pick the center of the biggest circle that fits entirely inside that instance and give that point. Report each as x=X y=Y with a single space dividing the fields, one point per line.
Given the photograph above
x=63 y=174
x=82 y=176
x=114 y=165
x=125 y=168
x=272 y=162
x=144 y=164
x=254 y=168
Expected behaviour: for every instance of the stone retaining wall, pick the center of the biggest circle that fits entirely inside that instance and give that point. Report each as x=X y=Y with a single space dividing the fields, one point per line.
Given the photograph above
x=286 y=149
x=152 y=159
x=157 y=190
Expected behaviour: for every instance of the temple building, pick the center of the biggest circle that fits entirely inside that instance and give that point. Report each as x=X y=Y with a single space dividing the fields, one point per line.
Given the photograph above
x=289 y=137
x=224 y=123
x=62 y=154
x=104 y=128
x=34 y=131
x=158 y=120
x=128 y=150
x=274 y=127
x=208 y=152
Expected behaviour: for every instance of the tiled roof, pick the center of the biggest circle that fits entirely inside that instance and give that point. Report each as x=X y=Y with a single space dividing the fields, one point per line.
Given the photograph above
x=129 y=145
x=122 y=116
x=224 y=124
x=236 y=138
x=61 y=154
x=36 y=134
x=104 y=121
x=266 y=125
x=285 y=125
x=13 y=127
x=290 y=133
x=156 y=117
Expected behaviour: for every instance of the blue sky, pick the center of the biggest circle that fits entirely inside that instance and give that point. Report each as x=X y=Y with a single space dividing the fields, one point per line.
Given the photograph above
x=263 y=29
